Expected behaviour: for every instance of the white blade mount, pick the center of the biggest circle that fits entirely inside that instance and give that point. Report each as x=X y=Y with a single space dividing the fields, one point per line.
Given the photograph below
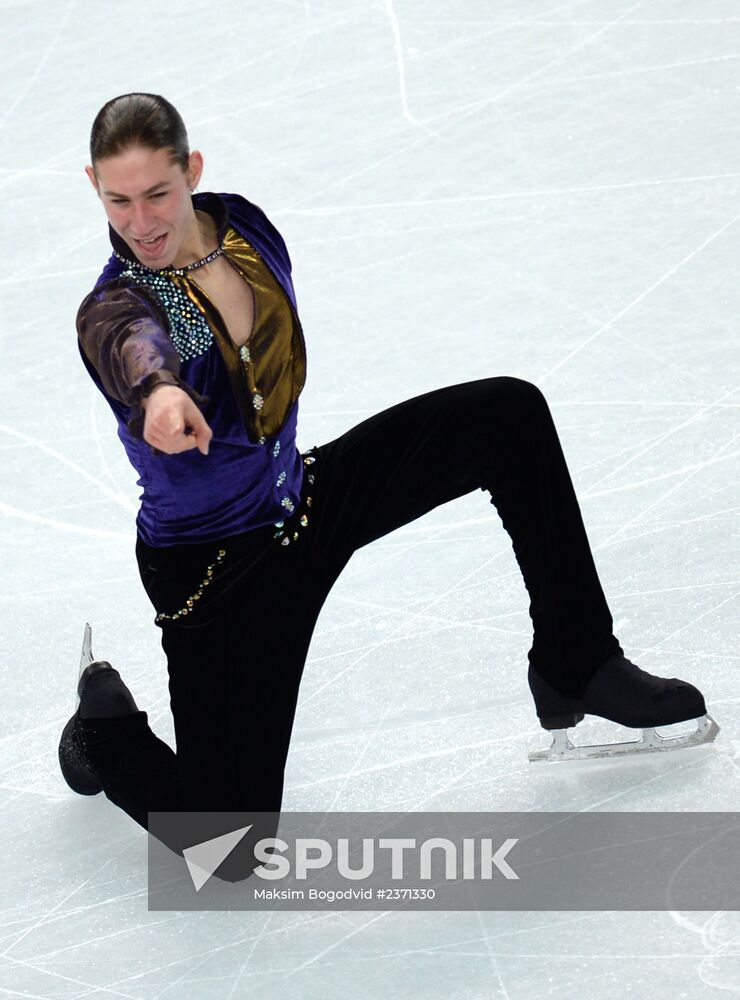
x=650 y=742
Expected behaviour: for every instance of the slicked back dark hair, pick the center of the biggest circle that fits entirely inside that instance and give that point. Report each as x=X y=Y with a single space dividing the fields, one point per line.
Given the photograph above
x=139 y=120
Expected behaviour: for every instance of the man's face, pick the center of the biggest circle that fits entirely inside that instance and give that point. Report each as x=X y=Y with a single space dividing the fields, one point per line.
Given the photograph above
x=147 y=200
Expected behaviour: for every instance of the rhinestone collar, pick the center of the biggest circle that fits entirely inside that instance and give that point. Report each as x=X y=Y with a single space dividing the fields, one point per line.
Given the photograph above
x=172 y=270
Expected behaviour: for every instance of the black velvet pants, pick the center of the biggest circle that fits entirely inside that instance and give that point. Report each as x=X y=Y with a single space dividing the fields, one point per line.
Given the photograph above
x=236 y=658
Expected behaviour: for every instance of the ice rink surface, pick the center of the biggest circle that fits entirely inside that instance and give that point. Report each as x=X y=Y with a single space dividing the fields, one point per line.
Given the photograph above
x=545 y=190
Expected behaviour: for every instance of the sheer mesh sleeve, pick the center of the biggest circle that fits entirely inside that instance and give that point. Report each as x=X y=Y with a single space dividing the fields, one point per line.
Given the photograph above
x=123 y=334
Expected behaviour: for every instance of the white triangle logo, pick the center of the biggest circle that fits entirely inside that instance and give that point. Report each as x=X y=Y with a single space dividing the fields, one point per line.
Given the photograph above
x=203 y=859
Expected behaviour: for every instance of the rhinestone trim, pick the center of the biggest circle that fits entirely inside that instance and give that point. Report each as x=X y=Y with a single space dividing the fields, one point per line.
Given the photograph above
x=191 y=601
x=189 y=327
x=180 y=271
x=286 y=537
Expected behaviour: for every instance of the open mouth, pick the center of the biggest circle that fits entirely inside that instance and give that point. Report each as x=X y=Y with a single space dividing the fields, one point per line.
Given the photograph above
x=152 y=247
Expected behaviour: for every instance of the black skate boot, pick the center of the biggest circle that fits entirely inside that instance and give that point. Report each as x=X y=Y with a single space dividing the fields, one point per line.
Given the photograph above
x=101 y=695
x=73 y=762
x=623 y=693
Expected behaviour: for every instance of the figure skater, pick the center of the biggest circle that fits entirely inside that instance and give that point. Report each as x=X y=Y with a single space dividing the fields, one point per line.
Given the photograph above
x=192 y=335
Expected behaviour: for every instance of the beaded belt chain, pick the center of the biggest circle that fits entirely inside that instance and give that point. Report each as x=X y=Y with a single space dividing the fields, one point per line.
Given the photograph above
x=286 y=538
x=191 y=601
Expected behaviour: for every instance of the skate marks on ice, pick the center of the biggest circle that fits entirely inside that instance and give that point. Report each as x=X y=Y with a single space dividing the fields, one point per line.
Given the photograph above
x=719 y=937
x=116 y=496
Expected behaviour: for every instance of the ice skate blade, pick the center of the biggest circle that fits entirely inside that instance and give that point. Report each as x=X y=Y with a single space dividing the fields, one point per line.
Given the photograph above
x=650 y=742
x=86 y=658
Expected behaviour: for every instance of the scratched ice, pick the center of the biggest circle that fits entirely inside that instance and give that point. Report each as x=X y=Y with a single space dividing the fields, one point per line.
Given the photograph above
x=540 y=189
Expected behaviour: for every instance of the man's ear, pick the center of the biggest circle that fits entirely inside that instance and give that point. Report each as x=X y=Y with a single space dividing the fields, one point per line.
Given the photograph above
x=195 y=168
x=93 y=179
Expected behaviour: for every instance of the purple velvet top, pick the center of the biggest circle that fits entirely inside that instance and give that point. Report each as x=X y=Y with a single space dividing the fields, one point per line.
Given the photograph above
x=126 y=342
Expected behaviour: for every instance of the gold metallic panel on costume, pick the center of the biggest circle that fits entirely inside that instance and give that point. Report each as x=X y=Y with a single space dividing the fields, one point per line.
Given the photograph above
x=269 y=375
